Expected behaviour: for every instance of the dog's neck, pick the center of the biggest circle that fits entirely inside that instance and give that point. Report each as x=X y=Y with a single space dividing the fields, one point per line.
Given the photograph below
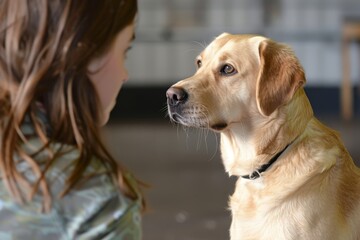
x=257 y=173
x=247 y=146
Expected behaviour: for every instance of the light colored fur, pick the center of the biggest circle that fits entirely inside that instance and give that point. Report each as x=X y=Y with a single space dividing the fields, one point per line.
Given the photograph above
x=312 y=191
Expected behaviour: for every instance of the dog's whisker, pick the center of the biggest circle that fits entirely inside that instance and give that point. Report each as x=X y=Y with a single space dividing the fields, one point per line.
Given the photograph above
x=186 y=131
x=203 y=134
x=206 y=129
x=200 y=135
x=177 y=131
x=216 y=145
x=165 y=110
x=203 y=44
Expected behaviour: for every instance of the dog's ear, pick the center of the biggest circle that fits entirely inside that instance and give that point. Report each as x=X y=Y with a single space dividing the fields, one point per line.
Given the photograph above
x=279 y=77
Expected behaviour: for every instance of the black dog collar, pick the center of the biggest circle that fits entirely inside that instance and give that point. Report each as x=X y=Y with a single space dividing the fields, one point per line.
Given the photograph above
x=257 y=173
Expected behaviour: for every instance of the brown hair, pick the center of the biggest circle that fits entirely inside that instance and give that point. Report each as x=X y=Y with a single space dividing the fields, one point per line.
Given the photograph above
x=45 y=48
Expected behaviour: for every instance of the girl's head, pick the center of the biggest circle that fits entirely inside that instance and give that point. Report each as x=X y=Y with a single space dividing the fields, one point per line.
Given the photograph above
x=60 y=53
x=50 y=49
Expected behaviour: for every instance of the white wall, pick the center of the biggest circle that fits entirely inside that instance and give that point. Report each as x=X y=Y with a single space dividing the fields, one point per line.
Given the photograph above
x=311 y=27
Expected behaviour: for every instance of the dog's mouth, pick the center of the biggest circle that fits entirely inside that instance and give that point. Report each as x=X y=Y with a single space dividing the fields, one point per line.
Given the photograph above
x=219 y=126
x=177 y=118
x=190 y=117
x=194 y=116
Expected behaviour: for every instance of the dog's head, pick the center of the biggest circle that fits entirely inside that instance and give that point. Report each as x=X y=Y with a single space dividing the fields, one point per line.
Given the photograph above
x=238 y=77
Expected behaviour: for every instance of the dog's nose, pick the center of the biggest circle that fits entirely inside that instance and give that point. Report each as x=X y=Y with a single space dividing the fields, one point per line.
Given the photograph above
x=176 y=95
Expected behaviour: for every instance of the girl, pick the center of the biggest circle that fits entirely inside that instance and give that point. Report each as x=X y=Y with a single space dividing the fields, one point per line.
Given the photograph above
x=61 y=68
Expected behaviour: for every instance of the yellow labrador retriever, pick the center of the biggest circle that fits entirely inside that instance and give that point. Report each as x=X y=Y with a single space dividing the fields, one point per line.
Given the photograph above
x=296 y=179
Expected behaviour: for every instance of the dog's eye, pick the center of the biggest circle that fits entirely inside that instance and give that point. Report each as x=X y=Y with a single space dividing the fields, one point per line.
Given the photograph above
x=198 y=63
x=227 y=69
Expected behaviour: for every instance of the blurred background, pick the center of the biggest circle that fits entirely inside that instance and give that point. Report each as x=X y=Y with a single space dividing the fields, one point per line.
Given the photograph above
x=189 y=188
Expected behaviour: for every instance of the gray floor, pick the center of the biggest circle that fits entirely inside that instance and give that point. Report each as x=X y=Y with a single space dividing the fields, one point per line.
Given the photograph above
x=189 y=188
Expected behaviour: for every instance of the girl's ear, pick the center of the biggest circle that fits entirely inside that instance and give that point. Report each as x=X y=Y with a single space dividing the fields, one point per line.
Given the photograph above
x=279 y=77
x=96 y=64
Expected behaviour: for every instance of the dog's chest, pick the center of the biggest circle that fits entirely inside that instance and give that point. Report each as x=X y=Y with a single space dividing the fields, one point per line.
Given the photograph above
x=255 y=218
x=261 y=214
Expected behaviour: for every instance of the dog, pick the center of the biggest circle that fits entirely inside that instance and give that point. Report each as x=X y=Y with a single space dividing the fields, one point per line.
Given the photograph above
x=295 y=178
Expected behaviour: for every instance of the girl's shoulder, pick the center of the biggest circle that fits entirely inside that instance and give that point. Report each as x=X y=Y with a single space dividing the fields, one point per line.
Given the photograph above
x=94 y=208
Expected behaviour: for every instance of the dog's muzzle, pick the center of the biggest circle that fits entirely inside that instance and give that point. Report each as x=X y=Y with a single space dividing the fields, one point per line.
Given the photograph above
x=176 y=97
x=188 y=113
